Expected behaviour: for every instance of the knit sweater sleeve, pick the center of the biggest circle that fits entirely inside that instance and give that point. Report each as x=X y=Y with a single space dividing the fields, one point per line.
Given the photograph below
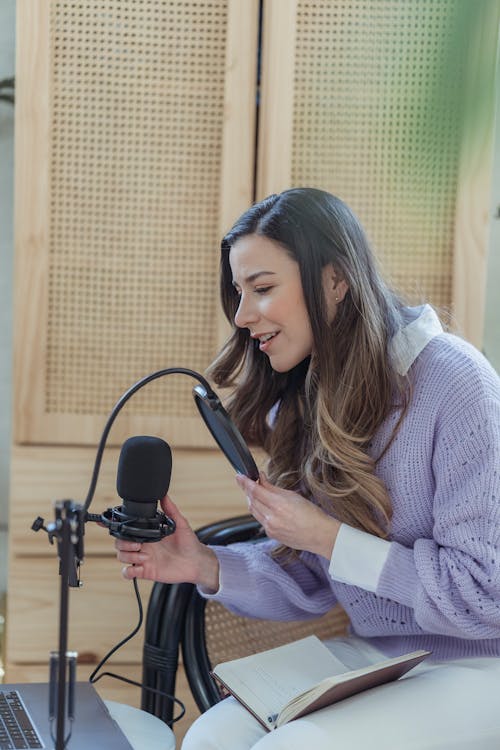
x=254 y=584
x=452 y=580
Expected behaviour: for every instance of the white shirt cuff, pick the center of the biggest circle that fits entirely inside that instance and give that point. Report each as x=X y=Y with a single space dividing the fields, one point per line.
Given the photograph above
x=358 y=558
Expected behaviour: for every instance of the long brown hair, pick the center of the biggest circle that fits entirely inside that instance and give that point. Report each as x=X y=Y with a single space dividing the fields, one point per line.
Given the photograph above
x=328 y=407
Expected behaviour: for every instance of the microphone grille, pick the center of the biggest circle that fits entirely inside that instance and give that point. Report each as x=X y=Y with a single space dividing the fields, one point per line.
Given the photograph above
x=144 y=468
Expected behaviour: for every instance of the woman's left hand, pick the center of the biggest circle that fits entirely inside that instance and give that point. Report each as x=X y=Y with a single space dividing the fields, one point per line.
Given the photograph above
x=289 y=518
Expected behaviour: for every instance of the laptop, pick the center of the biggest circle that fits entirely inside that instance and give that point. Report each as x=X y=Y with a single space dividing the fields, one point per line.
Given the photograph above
x=93 y=726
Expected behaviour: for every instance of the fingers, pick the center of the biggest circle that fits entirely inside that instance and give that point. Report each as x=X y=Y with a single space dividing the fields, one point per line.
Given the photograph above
x=133 y=571
x=264 y=481
x=259 y=492
x=168 y=506
x=170 y=509
x=132 y=554
x=259 y=515
x=262 y=500
x=133 y=558
x=122 y=545
x=247 y=486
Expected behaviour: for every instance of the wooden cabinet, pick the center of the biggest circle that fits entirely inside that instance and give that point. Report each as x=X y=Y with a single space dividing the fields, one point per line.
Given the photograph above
x=135 y=147
x=143 y=129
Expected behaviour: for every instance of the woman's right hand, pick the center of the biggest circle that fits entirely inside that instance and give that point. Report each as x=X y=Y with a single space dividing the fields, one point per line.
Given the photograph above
x=178 y=558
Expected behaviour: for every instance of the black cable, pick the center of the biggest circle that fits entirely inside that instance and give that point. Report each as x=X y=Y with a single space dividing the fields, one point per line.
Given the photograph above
x=150 y=690
x=93 y=678
x=127 y=638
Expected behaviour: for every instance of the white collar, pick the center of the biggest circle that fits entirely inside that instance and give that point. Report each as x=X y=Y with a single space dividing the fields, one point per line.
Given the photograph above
x=405 y=346
x=420 y=325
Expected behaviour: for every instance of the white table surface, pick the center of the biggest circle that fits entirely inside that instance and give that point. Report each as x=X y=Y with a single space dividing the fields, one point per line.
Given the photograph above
x=143 y=730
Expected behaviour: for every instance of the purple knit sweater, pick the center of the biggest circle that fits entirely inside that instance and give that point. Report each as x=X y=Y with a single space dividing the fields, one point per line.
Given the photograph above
x=440 y=586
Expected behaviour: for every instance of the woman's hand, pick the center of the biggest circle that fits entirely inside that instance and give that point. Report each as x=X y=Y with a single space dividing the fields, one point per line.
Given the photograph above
x=178 y=558
x=289 y=518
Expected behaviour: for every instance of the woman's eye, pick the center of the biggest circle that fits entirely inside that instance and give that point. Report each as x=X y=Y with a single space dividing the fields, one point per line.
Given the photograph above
x=263 y=289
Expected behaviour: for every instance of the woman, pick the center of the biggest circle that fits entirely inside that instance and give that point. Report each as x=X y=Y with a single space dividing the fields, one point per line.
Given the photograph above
x=382 y=489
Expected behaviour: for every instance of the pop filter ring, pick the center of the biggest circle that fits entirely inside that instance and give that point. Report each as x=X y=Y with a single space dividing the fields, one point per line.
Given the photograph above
x=236 y=452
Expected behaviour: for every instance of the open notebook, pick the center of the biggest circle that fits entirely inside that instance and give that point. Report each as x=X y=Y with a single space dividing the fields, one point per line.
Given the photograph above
x=290 y=681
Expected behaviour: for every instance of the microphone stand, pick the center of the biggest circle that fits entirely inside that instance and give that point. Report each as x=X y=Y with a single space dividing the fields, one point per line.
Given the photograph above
x=68 y=530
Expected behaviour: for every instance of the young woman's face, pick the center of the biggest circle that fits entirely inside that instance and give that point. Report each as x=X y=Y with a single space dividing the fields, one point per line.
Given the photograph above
x=272 y=304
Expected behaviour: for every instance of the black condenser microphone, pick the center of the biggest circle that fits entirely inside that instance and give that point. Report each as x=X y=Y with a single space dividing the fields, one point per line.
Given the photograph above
x=143 y=478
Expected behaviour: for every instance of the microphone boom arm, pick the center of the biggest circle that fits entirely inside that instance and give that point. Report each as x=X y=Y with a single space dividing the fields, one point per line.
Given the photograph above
x=121 y=403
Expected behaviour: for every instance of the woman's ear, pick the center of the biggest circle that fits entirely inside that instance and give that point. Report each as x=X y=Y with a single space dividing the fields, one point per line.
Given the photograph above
x=335 y=289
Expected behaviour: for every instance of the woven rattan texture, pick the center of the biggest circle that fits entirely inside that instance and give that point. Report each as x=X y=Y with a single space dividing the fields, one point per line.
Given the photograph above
x=377 y=121
x=136 y=139
x=229 y=636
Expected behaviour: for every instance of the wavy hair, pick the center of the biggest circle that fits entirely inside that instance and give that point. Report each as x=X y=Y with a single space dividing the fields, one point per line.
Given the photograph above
x=327 y=408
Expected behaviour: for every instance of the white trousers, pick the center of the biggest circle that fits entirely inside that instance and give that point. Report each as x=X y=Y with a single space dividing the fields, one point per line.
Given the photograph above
x=453 y=705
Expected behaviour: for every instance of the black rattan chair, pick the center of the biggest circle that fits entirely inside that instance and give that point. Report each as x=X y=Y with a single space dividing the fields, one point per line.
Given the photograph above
x=208 y=633
x=165 y=620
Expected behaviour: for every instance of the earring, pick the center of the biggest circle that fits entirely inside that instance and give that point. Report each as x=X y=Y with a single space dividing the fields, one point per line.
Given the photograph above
x=336 y=298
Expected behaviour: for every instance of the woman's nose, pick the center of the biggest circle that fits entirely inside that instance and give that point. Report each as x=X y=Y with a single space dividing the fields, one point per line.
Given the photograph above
x=246 y=313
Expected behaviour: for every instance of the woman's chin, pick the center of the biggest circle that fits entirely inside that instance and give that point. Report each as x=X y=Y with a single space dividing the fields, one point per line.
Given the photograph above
x=280 y=364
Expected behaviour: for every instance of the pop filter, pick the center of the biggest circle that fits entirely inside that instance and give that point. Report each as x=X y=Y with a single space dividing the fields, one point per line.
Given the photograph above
x=224 y=432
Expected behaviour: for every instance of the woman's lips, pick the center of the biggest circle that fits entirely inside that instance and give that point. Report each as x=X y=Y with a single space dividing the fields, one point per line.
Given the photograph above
x=264 y=345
